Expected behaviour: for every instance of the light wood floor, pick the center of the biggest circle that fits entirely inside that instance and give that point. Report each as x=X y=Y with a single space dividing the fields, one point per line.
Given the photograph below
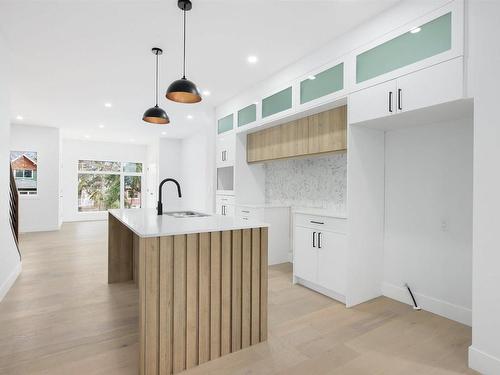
x=61 y=317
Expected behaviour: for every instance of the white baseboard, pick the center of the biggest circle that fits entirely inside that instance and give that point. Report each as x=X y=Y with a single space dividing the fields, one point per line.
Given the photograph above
x=50 y=228
x=448 y=310
x=482 y=362
x=318 y=288
x=4 y=288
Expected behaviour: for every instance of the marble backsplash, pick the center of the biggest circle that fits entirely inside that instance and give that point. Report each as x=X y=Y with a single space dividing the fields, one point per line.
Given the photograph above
x=309 y=182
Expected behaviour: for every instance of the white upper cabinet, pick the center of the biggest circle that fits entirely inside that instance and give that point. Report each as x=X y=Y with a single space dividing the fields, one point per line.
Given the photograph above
x=427 y=87
x=435 y=85
x=225 y=150
x=426 y=41
x=375 y=102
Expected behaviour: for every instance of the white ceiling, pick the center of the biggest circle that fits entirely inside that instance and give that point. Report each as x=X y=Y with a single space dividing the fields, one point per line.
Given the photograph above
x=69 y=57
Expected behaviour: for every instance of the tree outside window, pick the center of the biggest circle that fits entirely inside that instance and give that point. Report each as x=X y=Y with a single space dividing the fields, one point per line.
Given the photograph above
x=104 y=185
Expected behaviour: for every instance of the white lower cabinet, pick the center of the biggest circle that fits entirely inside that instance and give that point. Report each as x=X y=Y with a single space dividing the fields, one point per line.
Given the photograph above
x=320 y=255
x=224 y=205
x=278 y=219
x=332 y=261
x=305 y=257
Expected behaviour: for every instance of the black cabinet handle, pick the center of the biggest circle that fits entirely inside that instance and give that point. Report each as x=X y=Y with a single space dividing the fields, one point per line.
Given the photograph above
x=400 y=104
x=319 y=240
x=245 y=211
x=316 y=222
x=314 y=239
x=390 y=101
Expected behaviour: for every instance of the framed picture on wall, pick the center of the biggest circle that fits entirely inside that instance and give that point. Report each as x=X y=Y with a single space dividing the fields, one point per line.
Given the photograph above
x=25 y=169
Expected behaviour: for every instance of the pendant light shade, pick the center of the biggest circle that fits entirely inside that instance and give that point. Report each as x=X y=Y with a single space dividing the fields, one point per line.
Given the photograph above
x=183 y=90
x=156 y=115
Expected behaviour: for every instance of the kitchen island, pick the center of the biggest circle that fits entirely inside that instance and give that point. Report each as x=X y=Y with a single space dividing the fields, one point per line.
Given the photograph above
x=202 y=284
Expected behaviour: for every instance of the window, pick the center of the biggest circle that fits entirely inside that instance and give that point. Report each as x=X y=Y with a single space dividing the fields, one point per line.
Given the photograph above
x=24 y=165
x=104 y=185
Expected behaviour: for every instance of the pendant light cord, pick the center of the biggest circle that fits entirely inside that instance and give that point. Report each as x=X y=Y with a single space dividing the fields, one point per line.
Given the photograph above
x=184 y=58
x=156 y=79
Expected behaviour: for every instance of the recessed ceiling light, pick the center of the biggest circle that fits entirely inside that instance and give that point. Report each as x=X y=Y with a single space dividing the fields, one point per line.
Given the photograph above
x=163 y=133
x=252 y=59
x=206 y=93
x=189 y=117
x=108 y=105
x=415 y=30
x=311 y=77
x=101 y=126
x=19 y=117
x=87 y=136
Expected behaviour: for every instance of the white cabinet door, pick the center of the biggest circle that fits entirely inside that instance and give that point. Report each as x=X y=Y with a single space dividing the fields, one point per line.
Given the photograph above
x=225 y=150
x=373 y=102
x=332 y=261
x=435 y=85
x=224 y=205
x=305 y=257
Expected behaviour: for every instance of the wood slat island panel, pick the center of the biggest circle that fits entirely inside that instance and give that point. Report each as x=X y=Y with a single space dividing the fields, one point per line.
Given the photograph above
x=202 y=295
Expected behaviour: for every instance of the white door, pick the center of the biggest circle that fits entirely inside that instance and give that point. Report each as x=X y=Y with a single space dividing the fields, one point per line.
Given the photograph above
x=373 y=102
x=305 y=255
x=332 y=261
x=435 y=85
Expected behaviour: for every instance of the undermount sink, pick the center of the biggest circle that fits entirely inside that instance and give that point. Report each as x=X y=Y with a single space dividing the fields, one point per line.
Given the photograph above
x=184 y=214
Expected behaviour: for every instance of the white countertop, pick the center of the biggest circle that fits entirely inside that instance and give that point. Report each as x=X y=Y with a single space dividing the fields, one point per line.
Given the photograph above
x=319 y=212
x=146 y=223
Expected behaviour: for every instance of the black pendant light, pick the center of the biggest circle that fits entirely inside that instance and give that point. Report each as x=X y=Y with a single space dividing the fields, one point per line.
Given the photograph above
x=156 y=115
x=183 y=90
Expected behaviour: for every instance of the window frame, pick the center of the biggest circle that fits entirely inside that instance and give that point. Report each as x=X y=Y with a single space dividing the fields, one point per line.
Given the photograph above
x=122 y=175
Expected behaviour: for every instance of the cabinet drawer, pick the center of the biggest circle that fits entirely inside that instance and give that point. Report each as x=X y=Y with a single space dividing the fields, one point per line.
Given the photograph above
x=249 y=213
x=332 y=224
x=225 y=199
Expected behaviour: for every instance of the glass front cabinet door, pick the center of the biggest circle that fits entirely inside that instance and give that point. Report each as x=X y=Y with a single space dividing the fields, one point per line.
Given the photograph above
x=432 y=39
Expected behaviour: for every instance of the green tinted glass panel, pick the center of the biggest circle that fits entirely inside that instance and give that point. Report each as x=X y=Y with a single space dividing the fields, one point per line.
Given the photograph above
x=225 y=124
x=322 y=84
x=425 y=41
x=278 y=102
x=247 y=115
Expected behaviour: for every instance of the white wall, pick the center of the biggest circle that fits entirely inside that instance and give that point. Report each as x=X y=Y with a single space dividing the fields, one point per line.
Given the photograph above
x=191 y=162
x=10 y=266
x=428 y=217
x=197 y=173
x=40 y=212
x=170 y=166
x=484 y=81
x=74 y=150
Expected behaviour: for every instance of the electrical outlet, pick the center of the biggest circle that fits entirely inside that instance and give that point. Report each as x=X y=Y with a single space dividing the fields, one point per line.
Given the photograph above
x=444 y=225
